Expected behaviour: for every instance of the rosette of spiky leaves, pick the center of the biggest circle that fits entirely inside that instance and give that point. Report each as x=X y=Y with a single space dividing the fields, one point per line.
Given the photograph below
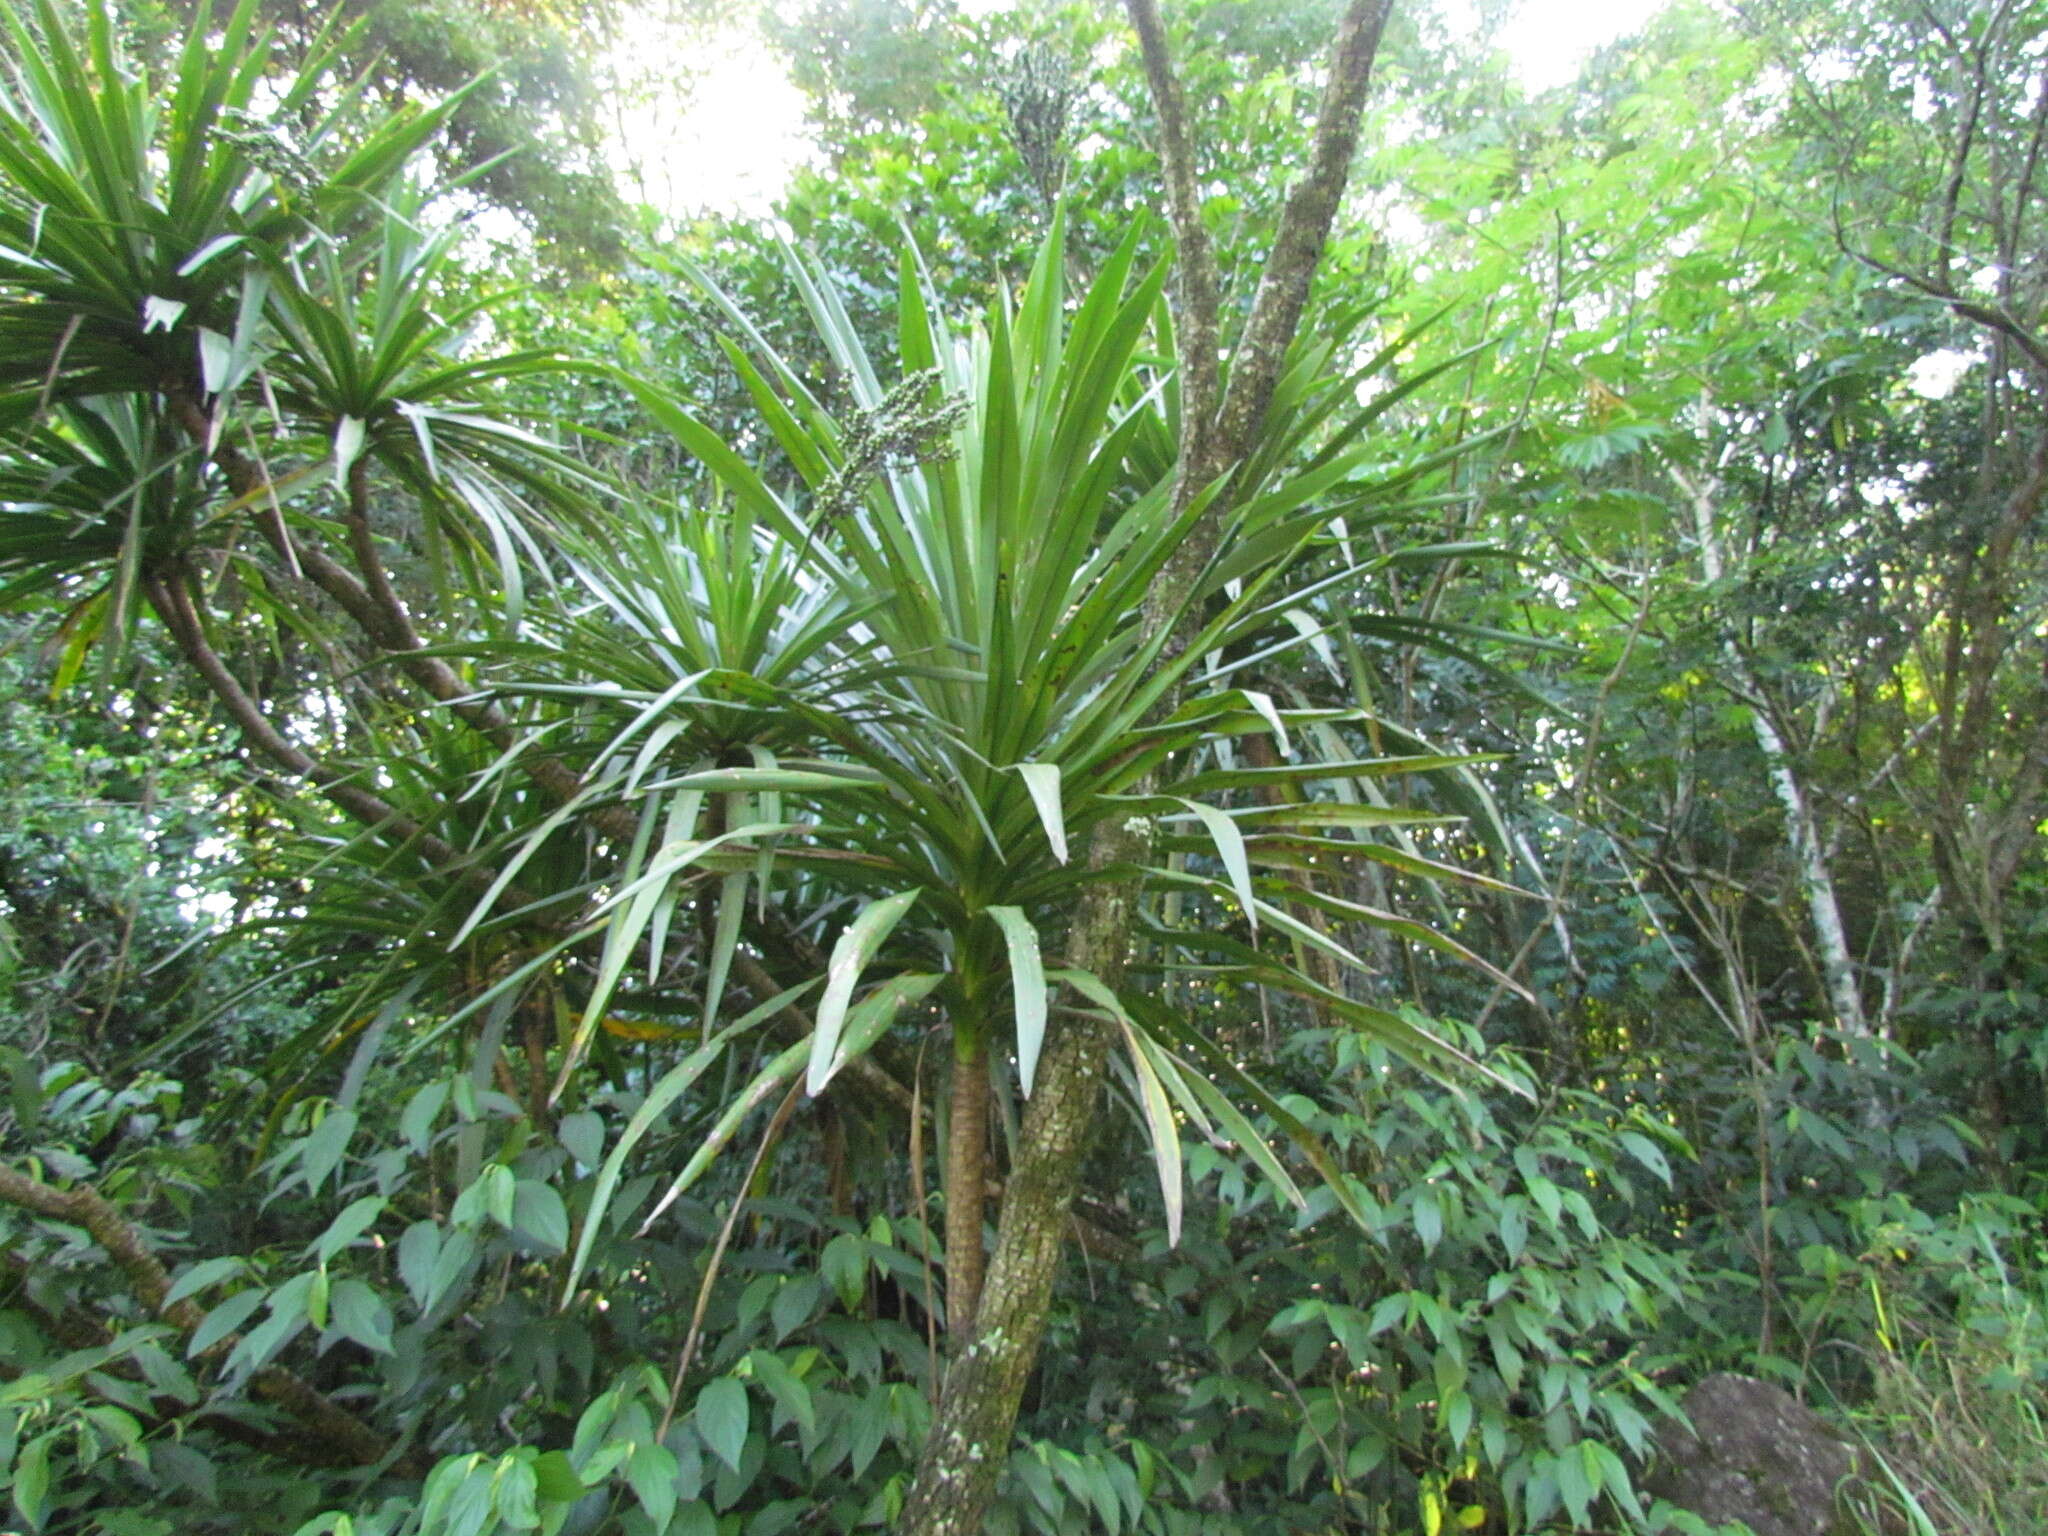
x=127 y=210
x=235 y=255
x=102 y=490
x=672 y=601
x=370 y=365
x=386 y=938
x=1002 y=517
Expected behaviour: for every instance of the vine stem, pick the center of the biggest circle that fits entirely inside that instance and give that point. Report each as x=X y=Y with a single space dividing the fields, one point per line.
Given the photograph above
x=732 y=1221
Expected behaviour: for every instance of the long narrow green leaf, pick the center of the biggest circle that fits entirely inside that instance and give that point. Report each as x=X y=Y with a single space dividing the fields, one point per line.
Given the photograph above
x=1159 y=1121
x=732 y=907
x=1233 y=1119
x=641 y=898
x=1042 y=781
x=867 y=1019
x=1165 y=1021
x=1353 y=768
x=1027 y=985
x=856 y=946
x=667 y=1089
x=1229 y=843
x=864 y=1026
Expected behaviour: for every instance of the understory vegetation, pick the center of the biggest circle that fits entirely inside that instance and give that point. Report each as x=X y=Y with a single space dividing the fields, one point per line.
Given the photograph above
x=1246 y=786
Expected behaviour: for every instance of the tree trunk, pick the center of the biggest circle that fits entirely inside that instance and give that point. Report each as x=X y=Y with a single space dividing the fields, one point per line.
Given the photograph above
x=966 y=1180
x=985 y=1381
x=977 y=1413
x=1802 y=835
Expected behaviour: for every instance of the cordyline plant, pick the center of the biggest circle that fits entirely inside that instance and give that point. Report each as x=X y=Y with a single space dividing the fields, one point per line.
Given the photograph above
x=1221 y=424
x=1063 y=556
x=992 y=695
x=220 y=317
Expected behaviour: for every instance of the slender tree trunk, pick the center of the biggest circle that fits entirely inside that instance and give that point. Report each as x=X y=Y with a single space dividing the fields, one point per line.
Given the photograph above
x=1802 y=835
x=966 y=1183
x=985 y=1381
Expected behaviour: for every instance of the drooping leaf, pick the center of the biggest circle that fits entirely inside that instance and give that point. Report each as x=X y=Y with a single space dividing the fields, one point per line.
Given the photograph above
x=856 y=946
x=671 y=1086
x=1027 y=985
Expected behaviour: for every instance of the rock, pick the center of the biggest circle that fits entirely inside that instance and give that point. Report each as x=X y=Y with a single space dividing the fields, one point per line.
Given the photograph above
x=1753 y=1454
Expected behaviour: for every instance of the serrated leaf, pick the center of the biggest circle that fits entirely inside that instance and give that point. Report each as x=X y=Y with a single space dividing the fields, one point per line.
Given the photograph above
x=583 y=1135
x=793 y=1305
x=208 y=1272
x=224 y=1320
x=1429 y=1219
x=469 y=1511
x=1514 y=1230
x=418 y=1252
x=325 y=1147
x=261 y=1343
x=351 y=1224
x=416 y=1124
x=513 y=1494
x=844 y=1266
x=449 y=1265
x=555 y=1478
x=359 y=1313
x=1646 y=1152
x=651 y=1472
x=790 y=1394
x=32 y=1480
x=538 y=1213
x=1573 y=1486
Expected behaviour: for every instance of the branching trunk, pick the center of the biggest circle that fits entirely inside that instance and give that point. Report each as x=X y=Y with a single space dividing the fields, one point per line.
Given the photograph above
x=985 y=1381
x=984 y=1385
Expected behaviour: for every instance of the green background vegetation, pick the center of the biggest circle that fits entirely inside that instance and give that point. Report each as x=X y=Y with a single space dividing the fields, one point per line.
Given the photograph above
x=554 y=760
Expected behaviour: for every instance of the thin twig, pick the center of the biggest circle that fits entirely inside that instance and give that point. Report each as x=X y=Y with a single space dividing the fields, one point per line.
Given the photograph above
x=739 y=1200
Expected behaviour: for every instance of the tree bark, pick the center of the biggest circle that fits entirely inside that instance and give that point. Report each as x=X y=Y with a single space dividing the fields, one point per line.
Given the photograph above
x=966 y=1181
x=985 y=1381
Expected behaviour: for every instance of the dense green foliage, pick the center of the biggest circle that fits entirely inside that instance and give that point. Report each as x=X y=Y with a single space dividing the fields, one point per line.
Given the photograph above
x=544 y=780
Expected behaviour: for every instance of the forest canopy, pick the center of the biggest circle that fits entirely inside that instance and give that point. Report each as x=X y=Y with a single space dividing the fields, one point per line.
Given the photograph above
x=1250 y=782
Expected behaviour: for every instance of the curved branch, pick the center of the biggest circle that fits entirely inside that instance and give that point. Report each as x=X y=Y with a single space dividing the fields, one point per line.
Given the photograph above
x=1219 y=427
x=173 y=604
x=1194 y=261
x=85 y=1207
